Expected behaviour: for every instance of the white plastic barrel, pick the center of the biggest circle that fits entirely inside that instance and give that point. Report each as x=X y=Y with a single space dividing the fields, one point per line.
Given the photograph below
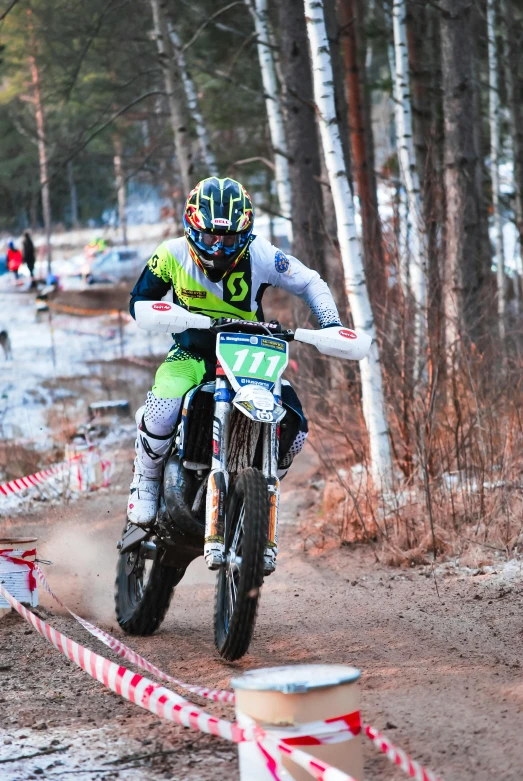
x=294 y=703
x=15 y=576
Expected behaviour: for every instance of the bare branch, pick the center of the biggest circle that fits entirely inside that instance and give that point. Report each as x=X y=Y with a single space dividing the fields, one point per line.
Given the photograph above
x=9 y=8
x=40 y=753
x=240 y=51
x=263 y=160
x=86 y=48
x=106 y=124
x=202 y=27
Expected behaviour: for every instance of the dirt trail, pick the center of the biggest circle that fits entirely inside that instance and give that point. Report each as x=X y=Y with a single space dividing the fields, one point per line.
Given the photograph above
x=441 y=674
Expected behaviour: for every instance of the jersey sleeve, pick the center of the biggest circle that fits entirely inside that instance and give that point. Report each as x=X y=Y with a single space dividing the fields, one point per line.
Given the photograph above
x=154 y=281
x=292 y=275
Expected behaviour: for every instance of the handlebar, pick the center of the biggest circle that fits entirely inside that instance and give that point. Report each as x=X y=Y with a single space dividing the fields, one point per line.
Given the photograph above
x=273 y=328
x=338 y=342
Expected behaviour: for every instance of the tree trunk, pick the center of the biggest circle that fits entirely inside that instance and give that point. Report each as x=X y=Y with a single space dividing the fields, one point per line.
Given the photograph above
x=464 y=249
x=371 y=375
x=333 y=27
x=259 y=13
x=408 y=166
x=302 y=138
x=73 y=194
x=425 y=76
x=362 y=146
x=120 y=186
x=175 y=97
x=42 y=151
x=513 y=86
x=403 y=229
x=331 y=248
x=208 y=158
x=494 y=161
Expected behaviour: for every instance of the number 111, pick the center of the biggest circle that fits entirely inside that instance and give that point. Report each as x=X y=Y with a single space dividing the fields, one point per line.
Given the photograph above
x=257 y=358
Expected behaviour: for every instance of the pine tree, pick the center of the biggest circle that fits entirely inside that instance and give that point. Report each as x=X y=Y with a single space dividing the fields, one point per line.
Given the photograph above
x=465 y=247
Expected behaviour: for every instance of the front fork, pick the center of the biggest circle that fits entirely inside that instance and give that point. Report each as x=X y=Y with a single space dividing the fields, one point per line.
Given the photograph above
x=218 y=483
x=271 y=442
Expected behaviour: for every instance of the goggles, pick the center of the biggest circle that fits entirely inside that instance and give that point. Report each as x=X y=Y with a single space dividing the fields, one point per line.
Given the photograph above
x=215 y=242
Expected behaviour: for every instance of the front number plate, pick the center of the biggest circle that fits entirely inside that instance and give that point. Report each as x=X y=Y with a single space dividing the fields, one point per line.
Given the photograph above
x=252 y=360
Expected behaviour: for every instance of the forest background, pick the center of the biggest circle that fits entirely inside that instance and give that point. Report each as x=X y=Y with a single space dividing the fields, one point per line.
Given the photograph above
x=387 y=137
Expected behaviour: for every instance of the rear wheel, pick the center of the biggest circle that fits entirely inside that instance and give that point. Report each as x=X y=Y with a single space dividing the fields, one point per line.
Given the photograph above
x=143 y=590
x=240 y=580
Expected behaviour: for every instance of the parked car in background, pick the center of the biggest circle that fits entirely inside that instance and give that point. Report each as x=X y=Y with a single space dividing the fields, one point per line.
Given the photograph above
x=116 y=265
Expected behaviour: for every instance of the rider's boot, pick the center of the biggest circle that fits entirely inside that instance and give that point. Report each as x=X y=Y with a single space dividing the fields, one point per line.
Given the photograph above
x=295 y=448
x=153 y=446
x=269 y=558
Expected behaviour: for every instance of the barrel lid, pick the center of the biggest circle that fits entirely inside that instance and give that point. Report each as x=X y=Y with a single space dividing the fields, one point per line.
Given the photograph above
x=17 y=540
x=296 y=679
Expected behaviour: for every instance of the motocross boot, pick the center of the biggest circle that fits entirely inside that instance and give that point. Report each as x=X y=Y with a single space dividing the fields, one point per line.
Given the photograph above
x=156 y=423
x=151 y=453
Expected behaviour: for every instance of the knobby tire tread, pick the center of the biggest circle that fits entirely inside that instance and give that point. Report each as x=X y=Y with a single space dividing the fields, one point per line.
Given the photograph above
x=150 y=611
x=232 y=645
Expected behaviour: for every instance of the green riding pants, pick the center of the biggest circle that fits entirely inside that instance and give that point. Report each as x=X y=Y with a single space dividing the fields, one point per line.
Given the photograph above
x=180 y=372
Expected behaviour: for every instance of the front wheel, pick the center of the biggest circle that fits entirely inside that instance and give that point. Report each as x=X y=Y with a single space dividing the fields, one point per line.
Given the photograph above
x=240 y=580
x=143 y=590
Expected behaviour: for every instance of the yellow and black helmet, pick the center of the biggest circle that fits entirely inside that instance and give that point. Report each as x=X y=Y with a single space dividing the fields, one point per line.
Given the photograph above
x=218 y=222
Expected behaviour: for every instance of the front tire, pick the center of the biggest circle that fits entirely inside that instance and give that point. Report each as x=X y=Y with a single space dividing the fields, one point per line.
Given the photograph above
x=143 y=590
x=240 y=580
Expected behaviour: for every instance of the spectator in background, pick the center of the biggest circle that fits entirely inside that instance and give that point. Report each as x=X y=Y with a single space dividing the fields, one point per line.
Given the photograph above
x=14 y=259
x=29 y=253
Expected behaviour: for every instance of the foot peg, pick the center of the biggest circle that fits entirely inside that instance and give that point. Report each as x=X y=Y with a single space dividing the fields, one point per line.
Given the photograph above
x=269 y=560
x=214 y=553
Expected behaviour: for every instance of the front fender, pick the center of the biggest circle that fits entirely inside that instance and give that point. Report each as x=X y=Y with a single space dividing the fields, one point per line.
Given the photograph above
x=258 y=404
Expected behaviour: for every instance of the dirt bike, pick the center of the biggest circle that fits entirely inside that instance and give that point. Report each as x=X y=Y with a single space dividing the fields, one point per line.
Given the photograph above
x=220 y=491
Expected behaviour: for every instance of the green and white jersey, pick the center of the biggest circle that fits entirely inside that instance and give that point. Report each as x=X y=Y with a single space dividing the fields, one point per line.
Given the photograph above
x=239 y=294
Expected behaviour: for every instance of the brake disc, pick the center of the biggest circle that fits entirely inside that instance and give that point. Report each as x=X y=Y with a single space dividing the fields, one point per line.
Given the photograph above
x=134 y=561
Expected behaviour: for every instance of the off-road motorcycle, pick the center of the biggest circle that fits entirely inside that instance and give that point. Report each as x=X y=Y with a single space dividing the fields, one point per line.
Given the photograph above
x=220 y=491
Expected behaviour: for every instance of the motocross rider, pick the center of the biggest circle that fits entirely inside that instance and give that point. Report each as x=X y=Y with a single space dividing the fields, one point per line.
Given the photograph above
x=219 y=268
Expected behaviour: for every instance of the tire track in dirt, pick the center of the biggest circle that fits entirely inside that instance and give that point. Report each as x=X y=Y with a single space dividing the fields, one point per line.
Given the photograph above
x=441 y=675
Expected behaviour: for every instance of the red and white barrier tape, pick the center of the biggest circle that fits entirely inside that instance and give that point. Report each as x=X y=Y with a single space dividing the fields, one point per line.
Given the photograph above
x=164 y=703
x=398 y=757
x=38 y=479
x=342 y=728
x=22 y=559
x=218 y=695
x=31 y=481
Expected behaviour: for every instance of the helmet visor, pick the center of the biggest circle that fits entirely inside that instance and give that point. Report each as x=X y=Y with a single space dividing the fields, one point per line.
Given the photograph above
x=214 y=242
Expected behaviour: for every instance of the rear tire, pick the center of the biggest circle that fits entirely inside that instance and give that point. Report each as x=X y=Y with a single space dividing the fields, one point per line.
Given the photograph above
x=140 y=603
x=238 y=587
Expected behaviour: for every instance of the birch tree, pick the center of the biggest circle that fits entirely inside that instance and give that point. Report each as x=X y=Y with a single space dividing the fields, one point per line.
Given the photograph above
x=403 y=226
x=407 y=161
x=260 y=14
x=511 y=56
x=121 y=190
x=371 y=375
x=177 y=108
x=494 y=161
x=302 y=138
x=72 y=194
x=191 y=96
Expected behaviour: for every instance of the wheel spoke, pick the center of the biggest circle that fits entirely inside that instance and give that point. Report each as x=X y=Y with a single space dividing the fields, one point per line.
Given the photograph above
x=231 y=592
x=238 y=530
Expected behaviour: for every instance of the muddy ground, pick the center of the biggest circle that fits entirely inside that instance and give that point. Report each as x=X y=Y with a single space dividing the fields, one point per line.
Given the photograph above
x=441 y=667
x=440 y=655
